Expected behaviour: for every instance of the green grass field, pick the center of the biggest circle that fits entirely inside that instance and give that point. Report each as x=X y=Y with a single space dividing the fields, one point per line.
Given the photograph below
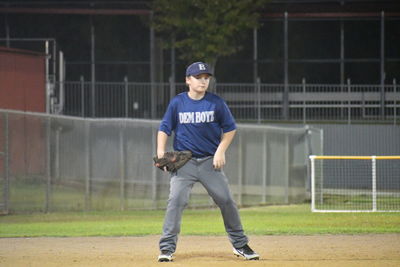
x=268 y=220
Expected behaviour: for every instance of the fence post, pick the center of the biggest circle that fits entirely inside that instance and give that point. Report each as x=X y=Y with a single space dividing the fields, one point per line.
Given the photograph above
x=82 y=79
x=6 y=195
x=348 y=102
x=93 y=67
x=153 y=89
x=264 y=169
x=258 y=86
x=240 y=170
x=342 y=102
x=373 y=183
x=308 y=153
x=122 y=165
x=57 y=154
x=153 y=170
x=382 y=65
x=172 y=87
x=312 y=159
x=395 y=102
x=363 y=115
x=287 y=168
x=48 y=88
x=48 y=162
x=87 y=167
x=126 y=96
x=303 y=81
x=285 y=96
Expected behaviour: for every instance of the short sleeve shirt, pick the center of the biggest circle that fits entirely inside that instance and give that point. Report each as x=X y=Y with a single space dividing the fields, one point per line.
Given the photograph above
x=198 y=124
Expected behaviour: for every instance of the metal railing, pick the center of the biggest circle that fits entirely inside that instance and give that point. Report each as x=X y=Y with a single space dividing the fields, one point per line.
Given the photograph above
x=345 y=103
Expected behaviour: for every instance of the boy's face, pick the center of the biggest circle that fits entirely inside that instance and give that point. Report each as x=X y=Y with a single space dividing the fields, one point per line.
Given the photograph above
x=198 y=83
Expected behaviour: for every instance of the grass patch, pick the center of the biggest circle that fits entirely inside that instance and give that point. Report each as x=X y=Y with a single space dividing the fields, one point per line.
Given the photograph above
x=269 y=220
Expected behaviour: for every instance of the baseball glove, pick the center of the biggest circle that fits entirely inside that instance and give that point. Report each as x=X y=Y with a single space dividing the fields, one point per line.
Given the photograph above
x=172 y=160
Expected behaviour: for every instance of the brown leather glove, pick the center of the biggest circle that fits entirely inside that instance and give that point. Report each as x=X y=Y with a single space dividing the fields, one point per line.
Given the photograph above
x=172 y=160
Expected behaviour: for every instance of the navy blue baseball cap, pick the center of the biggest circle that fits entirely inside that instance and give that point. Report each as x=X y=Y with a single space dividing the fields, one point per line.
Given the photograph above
x=198 y=68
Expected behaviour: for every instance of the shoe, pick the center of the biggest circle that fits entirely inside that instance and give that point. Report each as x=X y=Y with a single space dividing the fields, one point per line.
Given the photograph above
x=246 y=252
x=165 y=256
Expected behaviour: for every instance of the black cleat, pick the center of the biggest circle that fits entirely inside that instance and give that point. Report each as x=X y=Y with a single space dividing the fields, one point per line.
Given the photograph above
x=246 y=252
x=165 y=256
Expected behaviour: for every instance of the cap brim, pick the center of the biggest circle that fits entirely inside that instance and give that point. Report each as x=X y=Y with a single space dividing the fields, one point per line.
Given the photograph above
x=200 y=72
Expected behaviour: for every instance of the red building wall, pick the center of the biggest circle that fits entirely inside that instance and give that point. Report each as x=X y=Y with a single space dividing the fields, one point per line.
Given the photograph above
x=22 y=80
x=23 y=87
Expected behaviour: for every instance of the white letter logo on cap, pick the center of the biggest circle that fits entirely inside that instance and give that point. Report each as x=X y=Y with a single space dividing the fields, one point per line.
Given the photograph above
x=202 y=67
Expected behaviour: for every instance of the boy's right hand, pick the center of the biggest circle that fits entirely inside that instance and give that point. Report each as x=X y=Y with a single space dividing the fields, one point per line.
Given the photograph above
x=160 y=154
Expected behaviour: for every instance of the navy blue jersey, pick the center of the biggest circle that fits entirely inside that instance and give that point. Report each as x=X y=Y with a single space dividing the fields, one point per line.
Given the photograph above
x=198 y=124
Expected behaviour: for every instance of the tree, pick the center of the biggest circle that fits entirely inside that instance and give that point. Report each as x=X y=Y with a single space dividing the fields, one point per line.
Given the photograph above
x=205 y=29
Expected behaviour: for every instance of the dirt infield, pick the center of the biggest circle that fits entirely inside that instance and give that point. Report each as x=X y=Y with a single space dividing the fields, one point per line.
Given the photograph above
x=209 y=251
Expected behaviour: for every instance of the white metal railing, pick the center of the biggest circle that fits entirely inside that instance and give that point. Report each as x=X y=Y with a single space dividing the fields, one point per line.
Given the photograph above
x=248 y=102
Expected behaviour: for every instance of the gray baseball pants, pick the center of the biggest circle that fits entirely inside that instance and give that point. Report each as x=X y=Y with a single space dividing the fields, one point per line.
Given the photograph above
x=216 y=184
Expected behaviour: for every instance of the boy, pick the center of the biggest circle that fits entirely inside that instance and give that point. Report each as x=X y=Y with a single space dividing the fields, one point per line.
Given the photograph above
x=204 y=125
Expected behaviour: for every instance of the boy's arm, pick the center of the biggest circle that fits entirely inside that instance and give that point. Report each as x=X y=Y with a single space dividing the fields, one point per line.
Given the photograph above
x=161 y=143
x=219 y=157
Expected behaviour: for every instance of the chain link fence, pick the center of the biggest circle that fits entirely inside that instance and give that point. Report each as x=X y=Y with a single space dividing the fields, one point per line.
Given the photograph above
x=63 y=163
